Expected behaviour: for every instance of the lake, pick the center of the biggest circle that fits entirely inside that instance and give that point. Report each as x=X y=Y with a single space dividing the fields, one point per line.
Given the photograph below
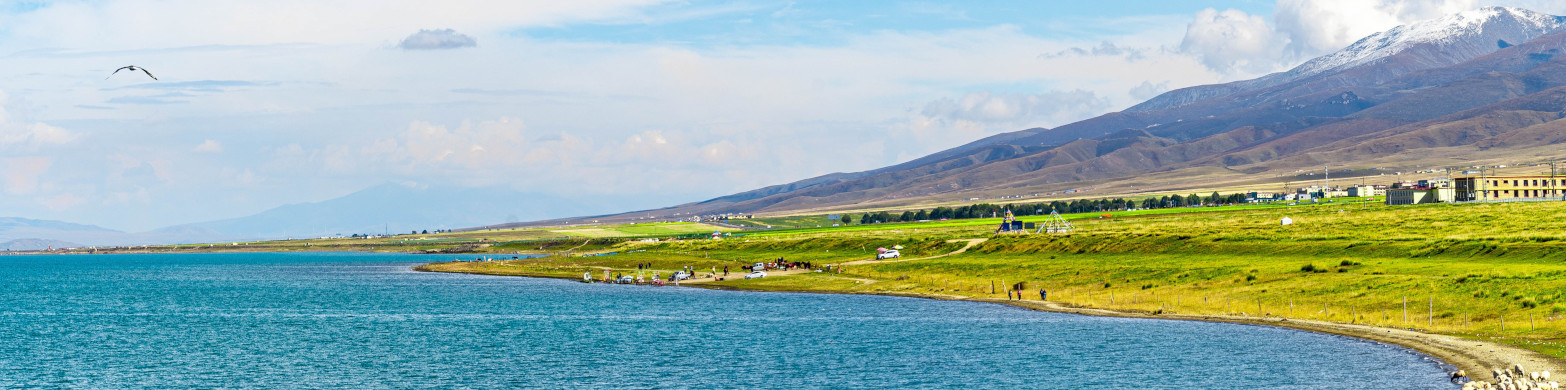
x=349 y=320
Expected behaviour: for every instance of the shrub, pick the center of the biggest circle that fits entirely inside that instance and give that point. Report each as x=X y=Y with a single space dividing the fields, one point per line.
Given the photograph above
x=1341 y=270
x=1250 y=277
x=1347 y=263
x=1308 y=268
x=1528 y=303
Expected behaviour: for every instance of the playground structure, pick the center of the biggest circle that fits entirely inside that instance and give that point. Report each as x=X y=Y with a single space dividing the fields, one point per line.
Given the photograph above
x=1056 y=225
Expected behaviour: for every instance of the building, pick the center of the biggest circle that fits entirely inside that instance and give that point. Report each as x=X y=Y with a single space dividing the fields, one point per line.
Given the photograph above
x=1366 y=191
x=1509 y=187
x=1407 y=196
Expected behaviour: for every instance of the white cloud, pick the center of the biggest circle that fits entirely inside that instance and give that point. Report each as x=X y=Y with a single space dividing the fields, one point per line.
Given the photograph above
x=210 y=146
x=1232 y=40
x=22 y=173
x=61 y=201
x=1148 y=90
x=1553 y=7
x=15 y=133
x=1017 y=109
x=437 y=40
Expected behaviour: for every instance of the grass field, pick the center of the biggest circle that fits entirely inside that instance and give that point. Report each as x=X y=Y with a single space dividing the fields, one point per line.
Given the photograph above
x=1463 y=269
x=644 y=230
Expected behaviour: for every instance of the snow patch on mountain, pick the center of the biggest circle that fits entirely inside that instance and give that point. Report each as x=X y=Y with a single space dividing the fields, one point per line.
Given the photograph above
x=1447 y=41
x=1519 y=24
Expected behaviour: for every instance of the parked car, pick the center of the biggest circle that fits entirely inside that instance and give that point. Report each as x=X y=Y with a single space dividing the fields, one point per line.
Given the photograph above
x=756 y=275
x=626 y=279
x=891 y=254
x=678 y=276
x=759 y=267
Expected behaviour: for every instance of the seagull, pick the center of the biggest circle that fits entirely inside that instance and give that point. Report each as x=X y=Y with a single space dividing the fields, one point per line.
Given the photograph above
x=132 y=68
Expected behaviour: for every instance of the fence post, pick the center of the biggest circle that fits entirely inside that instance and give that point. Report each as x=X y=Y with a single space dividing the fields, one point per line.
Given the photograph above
x=1405 y=309
x=1430 y=318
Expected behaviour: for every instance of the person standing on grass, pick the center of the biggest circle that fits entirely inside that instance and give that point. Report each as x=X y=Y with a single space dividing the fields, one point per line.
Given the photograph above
x=1043 y=295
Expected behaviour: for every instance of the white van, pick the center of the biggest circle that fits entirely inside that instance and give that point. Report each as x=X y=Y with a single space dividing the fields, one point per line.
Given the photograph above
x=891 y=254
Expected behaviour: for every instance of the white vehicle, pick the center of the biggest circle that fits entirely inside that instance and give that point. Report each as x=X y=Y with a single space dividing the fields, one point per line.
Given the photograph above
x=678 y=276
x=758 y=267
x=756 y=275
x=891 y=254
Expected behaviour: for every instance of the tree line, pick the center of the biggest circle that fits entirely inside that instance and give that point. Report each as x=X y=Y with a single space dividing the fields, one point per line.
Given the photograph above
x=987 y=210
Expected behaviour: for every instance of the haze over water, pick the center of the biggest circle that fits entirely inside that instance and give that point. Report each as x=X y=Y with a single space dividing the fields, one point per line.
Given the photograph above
x=368 y=321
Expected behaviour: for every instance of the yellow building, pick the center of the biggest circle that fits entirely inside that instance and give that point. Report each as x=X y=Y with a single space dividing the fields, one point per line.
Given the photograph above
x=1509 y=187
x=1406 y=196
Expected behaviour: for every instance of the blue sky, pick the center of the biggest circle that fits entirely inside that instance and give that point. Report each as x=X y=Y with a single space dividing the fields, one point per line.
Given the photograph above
x=832 y=22
x=265 y=104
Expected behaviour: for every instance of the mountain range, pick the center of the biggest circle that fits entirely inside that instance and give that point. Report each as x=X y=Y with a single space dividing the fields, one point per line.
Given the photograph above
x=390 y=207
x=1482 y=85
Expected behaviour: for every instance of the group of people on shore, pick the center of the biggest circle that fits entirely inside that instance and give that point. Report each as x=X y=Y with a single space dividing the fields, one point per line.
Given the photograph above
x=1015 y=294
x=689 y=272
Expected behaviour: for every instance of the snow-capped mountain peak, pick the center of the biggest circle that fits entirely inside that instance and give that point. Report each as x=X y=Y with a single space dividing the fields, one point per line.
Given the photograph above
x=1482 y=30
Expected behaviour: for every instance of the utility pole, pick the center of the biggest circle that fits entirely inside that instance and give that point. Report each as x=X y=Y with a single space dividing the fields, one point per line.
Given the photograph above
x=1553 y=173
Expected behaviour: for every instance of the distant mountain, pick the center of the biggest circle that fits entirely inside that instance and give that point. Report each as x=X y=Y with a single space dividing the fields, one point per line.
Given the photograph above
x=398 y=208
x=23 y=224
x=24 y=234
x=1483 y=84
x=392 y=208
x=33 y=244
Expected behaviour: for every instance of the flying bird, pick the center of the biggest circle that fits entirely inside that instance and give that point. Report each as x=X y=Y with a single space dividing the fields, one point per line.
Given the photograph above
x=132 y=68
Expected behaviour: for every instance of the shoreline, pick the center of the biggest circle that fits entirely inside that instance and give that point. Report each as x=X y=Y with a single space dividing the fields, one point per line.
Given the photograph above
x=1475 y=357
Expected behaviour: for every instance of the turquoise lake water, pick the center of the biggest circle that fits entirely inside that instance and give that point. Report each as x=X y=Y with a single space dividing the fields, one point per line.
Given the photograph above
x=340 y=320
